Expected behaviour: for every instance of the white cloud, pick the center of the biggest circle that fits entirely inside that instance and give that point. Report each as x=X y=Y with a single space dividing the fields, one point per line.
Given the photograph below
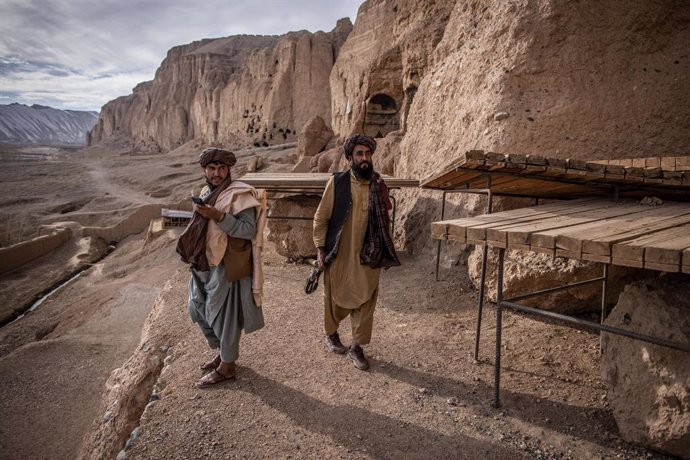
x=80 y=54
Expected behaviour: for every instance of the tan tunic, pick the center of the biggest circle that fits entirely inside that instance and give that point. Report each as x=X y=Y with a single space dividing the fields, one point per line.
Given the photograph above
x=351 y=283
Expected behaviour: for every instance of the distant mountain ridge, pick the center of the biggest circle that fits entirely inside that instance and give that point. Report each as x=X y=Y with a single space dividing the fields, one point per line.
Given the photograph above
x=38 y=124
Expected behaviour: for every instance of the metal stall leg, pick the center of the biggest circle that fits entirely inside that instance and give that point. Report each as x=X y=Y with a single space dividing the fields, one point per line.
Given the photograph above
x=480 y=306
x=438 y=245
x=485 y=254
x=499 y=319
x=605 y=277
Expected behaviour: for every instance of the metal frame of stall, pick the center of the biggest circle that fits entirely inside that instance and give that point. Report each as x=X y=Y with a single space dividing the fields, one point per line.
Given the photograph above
x=511 y=302
x=485 y=249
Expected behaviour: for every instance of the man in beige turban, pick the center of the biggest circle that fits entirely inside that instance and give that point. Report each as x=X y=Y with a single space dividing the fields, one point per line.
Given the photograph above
x=222 y=244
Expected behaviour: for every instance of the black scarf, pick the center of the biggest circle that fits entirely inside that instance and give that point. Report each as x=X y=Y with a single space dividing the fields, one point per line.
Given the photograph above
x=378 y=250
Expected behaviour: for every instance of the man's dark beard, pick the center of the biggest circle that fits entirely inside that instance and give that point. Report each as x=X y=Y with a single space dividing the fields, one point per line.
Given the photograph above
x=364 y=174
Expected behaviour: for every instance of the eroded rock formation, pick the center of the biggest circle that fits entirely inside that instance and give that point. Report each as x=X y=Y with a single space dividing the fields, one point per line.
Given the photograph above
x=381 y=64
x=292 y=237
x=649 y=385
x=578 y=81
x=244 y=89
x=572 y=81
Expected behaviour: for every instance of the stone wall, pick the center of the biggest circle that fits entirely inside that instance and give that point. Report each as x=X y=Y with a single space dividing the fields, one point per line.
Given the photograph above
x=134 y=223
x=18 y=254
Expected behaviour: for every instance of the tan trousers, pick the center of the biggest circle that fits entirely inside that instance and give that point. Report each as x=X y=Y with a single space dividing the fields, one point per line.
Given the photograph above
x=361 y=319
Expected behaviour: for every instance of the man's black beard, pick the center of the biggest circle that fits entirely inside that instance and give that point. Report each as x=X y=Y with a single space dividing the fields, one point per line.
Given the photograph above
x=364 y=174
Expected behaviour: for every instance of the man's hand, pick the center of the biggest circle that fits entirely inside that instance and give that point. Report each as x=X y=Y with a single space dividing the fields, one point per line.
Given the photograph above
x=209 y=212
x=320 y=257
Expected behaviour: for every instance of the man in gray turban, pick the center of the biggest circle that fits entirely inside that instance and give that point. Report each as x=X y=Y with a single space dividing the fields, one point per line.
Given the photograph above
x=351 y=234
x=216 y=155
x=218 y=246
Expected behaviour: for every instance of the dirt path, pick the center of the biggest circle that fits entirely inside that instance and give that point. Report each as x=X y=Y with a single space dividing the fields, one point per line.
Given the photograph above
x=424 y=396
x=104 y=185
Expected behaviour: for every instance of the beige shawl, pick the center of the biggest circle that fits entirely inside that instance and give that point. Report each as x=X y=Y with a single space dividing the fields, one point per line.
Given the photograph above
x=233 y=200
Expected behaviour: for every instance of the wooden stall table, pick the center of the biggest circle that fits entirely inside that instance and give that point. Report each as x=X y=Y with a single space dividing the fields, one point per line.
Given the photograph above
x=602 y=221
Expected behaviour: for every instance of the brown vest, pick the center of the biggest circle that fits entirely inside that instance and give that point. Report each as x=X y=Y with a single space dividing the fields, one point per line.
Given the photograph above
x=238 y=258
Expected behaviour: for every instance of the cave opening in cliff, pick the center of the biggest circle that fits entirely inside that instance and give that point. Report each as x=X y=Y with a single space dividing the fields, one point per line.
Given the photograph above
x=382 y=115
x=381 y=102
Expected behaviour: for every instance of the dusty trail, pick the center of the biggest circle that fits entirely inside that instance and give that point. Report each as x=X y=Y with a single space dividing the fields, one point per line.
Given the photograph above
x=424 y=396
x=103 y=185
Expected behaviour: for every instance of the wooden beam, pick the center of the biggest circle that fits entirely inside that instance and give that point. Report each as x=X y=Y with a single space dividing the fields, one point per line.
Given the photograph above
x=659 y=248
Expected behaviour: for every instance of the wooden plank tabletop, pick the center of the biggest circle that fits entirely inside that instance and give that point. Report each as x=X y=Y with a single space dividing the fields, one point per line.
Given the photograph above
x=622 y=232
x=289 y=181
x=662 y=250
x=536 y=176
x=597 y=237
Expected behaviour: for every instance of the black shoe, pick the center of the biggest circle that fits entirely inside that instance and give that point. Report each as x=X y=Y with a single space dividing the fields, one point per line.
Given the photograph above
x=357 y=356
x=334 y=344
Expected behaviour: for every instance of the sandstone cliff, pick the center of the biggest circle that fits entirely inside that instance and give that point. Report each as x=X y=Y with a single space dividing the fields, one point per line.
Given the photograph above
x=382 y=63
x=584 y=81
x=229 y=91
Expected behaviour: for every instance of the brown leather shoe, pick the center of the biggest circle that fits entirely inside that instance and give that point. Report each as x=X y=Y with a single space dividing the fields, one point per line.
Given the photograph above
x=356 y=354
x=334 y=344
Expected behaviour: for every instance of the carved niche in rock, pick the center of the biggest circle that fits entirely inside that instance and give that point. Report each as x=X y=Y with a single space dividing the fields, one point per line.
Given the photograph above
x=649 y=385
x=382 y=116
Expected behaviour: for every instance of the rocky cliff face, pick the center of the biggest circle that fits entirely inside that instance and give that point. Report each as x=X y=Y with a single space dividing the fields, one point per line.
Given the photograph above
x=240 y=89
x=541 y=77
x=21 y=124
x=382 y=63
x=581 y=80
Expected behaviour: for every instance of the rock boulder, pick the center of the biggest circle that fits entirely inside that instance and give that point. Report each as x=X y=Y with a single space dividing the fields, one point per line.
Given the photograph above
x=293 y=238
x=529 y=271
x=313 y=137
x=649 y=385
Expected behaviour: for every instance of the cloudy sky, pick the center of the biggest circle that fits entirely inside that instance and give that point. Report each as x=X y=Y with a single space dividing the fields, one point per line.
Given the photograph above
x=79 y=54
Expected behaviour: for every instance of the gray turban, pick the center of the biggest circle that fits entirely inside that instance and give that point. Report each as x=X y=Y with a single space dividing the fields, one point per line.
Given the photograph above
x=359 y=139
x=216 y=155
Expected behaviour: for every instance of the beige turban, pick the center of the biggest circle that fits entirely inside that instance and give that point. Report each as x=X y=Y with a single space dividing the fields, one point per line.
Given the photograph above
x=216 y=155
